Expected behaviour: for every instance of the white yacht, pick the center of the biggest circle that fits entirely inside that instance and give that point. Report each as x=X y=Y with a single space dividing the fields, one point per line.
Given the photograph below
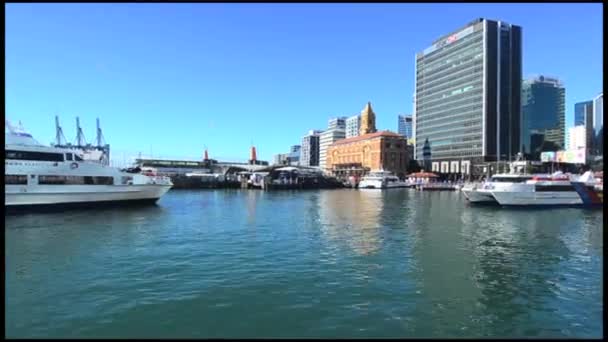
x=482 y=193
x=541 y=190
x=42 y=176
x=381 y=180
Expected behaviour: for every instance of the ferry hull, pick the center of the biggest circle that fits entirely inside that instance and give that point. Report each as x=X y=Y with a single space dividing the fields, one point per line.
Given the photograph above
x=57 y=207
x=476 y=196
x=570 y=198
x=23 y=196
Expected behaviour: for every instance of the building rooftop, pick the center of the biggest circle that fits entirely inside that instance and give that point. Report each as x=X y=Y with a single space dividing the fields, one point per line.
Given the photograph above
x=368 y=136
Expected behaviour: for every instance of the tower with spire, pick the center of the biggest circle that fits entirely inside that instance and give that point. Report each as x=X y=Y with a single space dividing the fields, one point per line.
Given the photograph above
x=368 y=120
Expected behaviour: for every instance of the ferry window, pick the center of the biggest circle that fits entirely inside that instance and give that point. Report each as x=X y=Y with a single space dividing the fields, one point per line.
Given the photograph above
x=68 y=156
x=103 y=180
x=51 y=180
x=15 y=179
x=126 y=179
x=77 y=158
x=554 y=188
x=74 y=180
x=36 y=156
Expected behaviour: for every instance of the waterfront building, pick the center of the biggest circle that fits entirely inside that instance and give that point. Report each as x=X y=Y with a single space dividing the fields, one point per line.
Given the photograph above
x=543 y=112
x=598 y=125
x=577 y=137
x=293 y=157
x=309 y=151
x=327 y=138
x=280 y=159
x=359 y=155
x=336 y=130
x=368 y=120
x=467 y=96
x=353 y=125
x=405 y=125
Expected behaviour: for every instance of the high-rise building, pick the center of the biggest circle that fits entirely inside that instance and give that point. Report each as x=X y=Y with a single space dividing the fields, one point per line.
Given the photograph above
x=309 y=151
x=339 y=122
x=405 y=125
x=336 y=130
x=467 y=96
x=583 y=116
x=598 y=125
x=353 y=124
x=577 y=137
x=582 y=111
x=543 y=112
x=368 y=120
x=327 y=138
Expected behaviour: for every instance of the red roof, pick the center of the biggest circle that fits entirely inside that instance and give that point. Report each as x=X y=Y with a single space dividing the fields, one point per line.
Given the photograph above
x=368 y=136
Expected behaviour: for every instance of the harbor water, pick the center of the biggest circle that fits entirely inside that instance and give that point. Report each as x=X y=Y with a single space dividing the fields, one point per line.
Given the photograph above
x=326 y=263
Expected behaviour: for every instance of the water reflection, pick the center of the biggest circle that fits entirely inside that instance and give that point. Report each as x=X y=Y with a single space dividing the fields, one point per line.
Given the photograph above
x=353 y=218
x=521 y=264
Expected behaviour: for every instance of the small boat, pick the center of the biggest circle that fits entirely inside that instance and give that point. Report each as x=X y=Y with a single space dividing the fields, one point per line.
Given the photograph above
x=381 y=180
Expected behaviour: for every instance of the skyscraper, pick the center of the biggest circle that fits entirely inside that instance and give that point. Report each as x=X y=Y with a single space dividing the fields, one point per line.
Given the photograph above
x=583 y=116
x=309 y=150
x=468 y=88
x=598 y=125
x=336 y=130
x=405 y=125
x=543 y=112
x=353 y=125
x=582 y=110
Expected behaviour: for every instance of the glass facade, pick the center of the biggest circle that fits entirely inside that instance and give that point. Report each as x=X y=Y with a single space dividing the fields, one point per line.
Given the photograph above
x=582 y=110
x=405 y=126
x=543 y=112
x=598 y=125
x=467 y=93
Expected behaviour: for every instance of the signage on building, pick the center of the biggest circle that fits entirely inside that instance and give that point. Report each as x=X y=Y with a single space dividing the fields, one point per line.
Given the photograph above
x=450 y=40
x=577 y=156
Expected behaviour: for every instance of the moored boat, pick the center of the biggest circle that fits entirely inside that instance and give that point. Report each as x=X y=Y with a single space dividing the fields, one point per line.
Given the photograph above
x=38 y=176
x=381 y=180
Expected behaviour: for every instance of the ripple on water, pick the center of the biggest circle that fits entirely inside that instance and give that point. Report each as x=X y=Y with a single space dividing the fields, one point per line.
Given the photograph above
x=305 y=264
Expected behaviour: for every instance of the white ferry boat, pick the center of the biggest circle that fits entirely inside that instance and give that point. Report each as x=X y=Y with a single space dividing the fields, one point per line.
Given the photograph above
x=555 y=189
x=38 y=176
x=381 y=180
x=482 y=193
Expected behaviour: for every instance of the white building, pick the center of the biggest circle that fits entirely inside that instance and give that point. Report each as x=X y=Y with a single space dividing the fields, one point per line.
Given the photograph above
x=353 y=124
x=577 y=137
x=327 y=138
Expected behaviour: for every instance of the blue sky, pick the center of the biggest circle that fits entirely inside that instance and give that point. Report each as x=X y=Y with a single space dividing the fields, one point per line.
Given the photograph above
x=169 y=79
